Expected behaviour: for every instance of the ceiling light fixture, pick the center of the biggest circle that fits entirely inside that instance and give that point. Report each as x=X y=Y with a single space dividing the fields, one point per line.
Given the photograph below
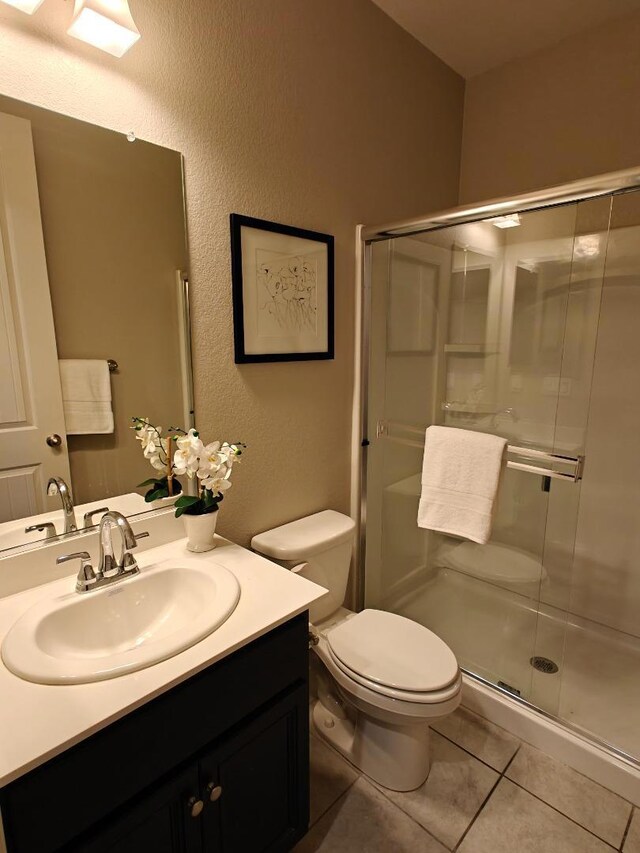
x=587 y=246
x=28 y=6
x=511 y=220
x=105 y=24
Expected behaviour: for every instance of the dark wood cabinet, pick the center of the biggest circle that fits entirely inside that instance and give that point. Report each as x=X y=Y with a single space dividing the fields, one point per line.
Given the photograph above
x=219 y=764
x=266 y=765
x=159 y=821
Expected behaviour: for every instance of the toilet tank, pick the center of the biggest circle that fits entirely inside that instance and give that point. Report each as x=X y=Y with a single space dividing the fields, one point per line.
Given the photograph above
x=319 y=548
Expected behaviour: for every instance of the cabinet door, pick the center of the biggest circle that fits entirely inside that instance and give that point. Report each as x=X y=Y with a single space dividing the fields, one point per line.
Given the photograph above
x=163 y=820
x=259 y=780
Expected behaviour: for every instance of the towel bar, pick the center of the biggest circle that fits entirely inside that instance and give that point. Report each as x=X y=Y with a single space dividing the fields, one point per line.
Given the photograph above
x=573 y=464
x=113 y=365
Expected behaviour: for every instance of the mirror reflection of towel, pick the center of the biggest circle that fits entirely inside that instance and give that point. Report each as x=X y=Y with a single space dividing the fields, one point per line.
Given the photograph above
x=86 y=396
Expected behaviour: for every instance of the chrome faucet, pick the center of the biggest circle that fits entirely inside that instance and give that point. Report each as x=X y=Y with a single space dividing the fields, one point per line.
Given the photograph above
x=109 y=569
x=57 y=486
x=107 y=562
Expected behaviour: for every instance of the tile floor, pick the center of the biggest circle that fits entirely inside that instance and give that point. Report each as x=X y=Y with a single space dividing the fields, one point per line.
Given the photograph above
x=487 y=793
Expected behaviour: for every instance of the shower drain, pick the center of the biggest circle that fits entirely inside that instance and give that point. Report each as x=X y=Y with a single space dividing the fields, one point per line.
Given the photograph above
x=543 y=664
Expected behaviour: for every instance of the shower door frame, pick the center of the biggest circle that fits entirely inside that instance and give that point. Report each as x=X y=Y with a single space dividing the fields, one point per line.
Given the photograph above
x=611 y=183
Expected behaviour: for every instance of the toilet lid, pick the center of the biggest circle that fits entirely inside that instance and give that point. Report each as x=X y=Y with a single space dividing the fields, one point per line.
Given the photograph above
x=393 y=651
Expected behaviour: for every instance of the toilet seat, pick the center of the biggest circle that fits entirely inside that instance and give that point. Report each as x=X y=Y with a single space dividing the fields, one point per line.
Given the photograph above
x=395 y=709
x=394 y=656
x=428 y=698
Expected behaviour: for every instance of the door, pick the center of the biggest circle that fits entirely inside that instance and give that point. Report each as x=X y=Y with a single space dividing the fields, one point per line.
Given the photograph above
x=30 y=395
x=167 y=819
x=409 y=304
x=256 y=784
x=510 y=353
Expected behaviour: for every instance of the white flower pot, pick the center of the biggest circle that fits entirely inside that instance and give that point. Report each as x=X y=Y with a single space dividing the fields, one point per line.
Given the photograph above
x=200 y=531
x=163 y=503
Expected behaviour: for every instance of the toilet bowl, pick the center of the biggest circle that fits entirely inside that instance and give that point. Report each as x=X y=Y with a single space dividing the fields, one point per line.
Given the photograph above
x=381 y=678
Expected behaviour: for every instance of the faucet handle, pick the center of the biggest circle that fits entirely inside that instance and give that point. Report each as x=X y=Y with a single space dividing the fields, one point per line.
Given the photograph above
x=79 y=555
x=86 y=575
x=88 y=516
x=129 y=563
x=49 y=526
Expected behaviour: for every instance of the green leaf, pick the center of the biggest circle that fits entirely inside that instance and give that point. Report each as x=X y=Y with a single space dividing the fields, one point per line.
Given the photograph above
x=156 y=494
x=194 y=507
x=185 y=501
x=152 y=481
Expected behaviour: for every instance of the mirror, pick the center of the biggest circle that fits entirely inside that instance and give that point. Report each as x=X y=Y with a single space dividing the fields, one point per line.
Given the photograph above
x=94 y=325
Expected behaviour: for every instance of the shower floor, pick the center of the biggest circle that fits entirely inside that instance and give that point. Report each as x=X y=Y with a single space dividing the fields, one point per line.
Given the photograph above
x=495 y=633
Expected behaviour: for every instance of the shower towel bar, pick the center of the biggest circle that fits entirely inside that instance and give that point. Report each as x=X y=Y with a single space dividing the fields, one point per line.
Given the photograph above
x=573 y=464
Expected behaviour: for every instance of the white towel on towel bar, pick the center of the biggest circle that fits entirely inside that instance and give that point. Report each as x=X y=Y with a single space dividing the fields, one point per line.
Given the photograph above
x=460 y=478
x=86 y=396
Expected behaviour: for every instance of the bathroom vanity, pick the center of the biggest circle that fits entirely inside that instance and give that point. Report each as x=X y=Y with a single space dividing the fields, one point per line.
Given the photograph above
x=205 y=751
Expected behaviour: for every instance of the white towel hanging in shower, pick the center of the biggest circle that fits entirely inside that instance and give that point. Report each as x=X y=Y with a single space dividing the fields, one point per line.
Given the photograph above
x=460 y=478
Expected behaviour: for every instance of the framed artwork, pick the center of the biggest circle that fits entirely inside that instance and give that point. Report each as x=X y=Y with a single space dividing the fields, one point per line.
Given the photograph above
x=283 y=300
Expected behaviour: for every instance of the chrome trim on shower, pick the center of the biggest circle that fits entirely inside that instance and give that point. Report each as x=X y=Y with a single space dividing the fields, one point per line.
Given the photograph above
x=587 y=737
x=365 y=283
x=607 y=184
x=384 y=429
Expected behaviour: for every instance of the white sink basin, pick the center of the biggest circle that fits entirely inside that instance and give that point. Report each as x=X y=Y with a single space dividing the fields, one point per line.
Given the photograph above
x=137 y=622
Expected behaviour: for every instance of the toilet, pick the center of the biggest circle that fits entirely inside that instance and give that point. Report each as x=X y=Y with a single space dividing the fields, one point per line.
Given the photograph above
x=382 y=679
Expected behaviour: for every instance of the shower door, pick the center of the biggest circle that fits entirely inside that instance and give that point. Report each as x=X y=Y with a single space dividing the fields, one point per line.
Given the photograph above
x=494 y=329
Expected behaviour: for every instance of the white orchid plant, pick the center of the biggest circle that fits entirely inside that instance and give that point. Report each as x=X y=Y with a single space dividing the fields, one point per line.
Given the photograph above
x=156 y=448
x=210 y=465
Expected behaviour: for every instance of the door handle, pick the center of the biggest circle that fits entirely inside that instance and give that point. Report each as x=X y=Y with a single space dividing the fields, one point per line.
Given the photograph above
x=54 y=440
x=214 y=791
x=195 y=806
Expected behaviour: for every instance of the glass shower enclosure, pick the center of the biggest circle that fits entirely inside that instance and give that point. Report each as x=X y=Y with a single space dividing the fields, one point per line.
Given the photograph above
x=522 y=320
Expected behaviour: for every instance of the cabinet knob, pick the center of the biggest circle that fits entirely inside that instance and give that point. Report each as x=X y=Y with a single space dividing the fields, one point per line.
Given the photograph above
x=195 y=806
x=54 y=440
x=214 y=791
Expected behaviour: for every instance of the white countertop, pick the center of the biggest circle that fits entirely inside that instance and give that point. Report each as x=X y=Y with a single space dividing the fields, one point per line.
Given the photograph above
x=40 y=721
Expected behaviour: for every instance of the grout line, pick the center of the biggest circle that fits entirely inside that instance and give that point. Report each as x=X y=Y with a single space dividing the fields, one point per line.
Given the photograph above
x=332 y=804
x=429 y=832
x=626 y=831
x=477 y=814
x=477 y=758
x=510 y=761
x=382 y=790
x=349 y=765
x=557 y=810
x=522 y=742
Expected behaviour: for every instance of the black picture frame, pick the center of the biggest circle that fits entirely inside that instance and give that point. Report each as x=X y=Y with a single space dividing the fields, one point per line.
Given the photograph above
x=237 y=223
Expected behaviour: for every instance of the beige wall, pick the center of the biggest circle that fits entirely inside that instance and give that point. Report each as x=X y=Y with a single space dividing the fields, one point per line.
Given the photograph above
x=567 y=112
x=316 y=113
x=113 y=224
